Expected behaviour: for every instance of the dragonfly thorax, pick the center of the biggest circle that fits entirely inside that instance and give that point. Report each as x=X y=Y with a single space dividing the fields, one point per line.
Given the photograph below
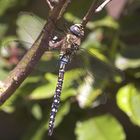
x=73 y=49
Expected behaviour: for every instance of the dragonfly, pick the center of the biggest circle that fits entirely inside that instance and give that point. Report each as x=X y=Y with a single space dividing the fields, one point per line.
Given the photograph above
x=69 y=47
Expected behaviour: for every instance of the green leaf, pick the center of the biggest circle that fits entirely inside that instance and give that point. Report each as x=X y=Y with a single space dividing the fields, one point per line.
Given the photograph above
x=71 y=18
x=125 y=63
x=107 y=21
x=3 y=72
x=92 y=40
x=104 y=127
x=72 y=75
x=66 y=93
x=62 y=111
x=37 y=131
x=36 y=111
x=8 y=106
x=129 y=57
x=5 y=42
x=68 y=86
x=128 y=100
x=46 y=90
x=42 y=92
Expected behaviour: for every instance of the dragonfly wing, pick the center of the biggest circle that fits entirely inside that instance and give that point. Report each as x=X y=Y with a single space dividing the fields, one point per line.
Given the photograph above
x=29 y=26
x=13 y=49
x=49 y=63
x=95 y=76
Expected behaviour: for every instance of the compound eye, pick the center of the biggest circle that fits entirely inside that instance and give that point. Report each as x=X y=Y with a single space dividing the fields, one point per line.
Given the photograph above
x=75 y=30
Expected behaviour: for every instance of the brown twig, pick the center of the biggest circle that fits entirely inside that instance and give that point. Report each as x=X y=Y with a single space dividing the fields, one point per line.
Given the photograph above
x=52 y=3
x=95 y=7
x=31 y=58
x=100 y=7
x=49 y=4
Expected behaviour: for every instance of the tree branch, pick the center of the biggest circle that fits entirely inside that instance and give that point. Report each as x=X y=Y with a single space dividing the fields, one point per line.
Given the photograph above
x=95 y=7
x=100 y=7
x=31 y=58
x=50 y=5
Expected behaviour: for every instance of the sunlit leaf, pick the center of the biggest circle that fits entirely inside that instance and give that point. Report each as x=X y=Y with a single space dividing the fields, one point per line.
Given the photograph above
x=46 y=90
x=124 y=63
x=70 y=17
x=8 y=106
x=104 y=127
x=106 y=22
x=72 y=75
x=36 y=111
x=39 y=130
x=93 y=40
x=3 y=73
x=128 y=100
x=5 y=43
x=66 y=93
x=42 y=92
x=63 y=111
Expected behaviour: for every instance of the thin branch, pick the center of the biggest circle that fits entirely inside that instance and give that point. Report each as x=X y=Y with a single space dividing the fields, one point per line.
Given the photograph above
x=90 y=12
x=52 y=3
x=31 y=58
x=95 y=7
x=49 y=4
x=100 y=8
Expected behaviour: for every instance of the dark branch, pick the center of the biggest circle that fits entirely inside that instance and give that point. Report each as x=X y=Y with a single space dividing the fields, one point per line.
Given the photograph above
x=100 y=8
x=95 y=7
x=50 y=4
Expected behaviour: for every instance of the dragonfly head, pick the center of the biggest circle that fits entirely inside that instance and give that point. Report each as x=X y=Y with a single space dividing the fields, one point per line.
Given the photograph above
x=77 y=29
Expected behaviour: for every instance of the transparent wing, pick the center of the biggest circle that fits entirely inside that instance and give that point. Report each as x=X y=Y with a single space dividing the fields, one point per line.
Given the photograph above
x=49 y=63
x=89 y=76
x=13 y=50
x=29 y=26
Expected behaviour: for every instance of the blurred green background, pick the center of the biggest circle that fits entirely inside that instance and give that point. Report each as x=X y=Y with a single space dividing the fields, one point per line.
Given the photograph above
x=101 y=94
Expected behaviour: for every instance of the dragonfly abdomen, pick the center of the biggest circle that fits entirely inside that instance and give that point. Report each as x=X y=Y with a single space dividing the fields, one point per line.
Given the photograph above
x=56 y=100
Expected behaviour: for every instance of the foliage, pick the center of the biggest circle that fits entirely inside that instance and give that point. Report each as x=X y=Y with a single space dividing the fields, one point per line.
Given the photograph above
x=101 y=86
